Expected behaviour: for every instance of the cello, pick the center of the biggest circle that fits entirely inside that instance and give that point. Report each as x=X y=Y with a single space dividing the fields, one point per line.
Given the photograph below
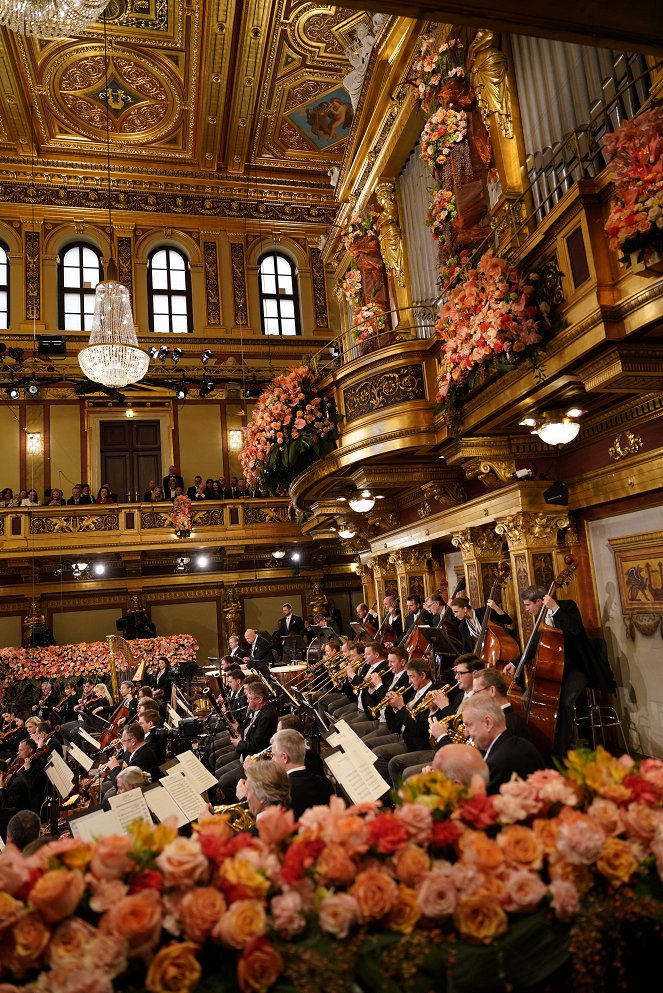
x=547 y=670
x=494 y=644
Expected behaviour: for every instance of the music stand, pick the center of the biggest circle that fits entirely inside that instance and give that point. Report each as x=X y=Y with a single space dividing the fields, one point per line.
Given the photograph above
x=326 y=633
x=360 y=631
x=440 y=642
x=308 y=708
x=293 y=645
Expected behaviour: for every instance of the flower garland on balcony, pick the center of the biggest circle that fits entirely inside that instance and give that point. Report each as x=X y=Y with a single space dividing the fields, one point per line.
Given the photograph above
x=443 y=131
x=635 y=224
x=360 y=226
x=351 y=285
x=369 y=321
x=434 y=66
x=448 y=891
x=441 y=214
x=292 y=425
x=490 y=319
x=182 y=516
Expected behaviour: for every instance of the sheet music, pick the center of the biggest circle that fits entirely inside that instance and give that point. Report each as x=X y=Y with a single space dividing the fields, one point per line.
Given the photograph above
x=98 y=824
x=174 y=716
x=199 y=777
x=60 y=774
x=181 y=792
x=162 y=805
x=352 y=744
x=2 y=845
x=361 y=782
x=80 y=756
x=130 y=807
x=88 y=737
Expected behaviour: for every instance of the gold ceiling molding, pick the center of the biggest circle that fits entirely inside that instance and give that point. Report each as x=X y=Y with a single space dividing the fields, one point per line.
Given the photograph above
x=526 y=529
x=624 y=367
x=625 y=444
x=478 y=542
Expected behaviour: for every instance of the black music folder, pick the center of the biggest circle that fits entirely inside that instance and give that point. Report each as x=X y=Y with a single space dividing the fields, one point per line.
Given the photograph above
x=361 y=631
x=439 y=639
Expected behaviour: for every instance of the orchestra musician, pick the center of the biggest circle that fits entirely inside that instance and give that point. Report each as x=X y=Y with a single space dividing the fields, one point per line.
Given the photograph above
x=469 y=619
x=65 y=708
x=307 y=789
x=383 y=723
x=392 y=618
x=367 y=683
x=162 y=683
x=290 y=623
x=235 y=650
x=413 y=729
x=367 y=615
x=261 y=654
x=44 y=706
x=256 y=735
x=135 y=752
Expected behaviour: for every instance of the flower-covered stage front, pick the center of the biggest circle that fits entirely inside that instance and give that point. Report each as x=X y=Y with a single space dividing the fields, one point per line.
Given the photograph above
x=553 y=884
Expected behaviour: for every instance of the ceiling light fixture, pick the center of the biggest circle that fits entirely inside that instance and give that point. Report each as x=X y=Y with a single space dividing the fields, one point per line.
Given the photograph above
x=113 y=357
x=346 y=531
x=13 y=392
x=50 y=18
x=152 y=352
x=558 y=431
x=296 y=556
x=32 y=389
x=362 y=502
x=202 y=561
x=99 y=568
x=177 y=355
x=182 y=392
x=278 y=553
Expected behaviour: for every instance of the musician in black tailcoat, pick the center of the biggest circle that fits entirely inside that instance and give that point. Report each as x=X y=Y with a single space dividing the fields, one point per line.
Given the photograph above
x=261 y=653
x=256 y=735
x=306 y=788
x=392 y=618
x=413 y=729
x=504 y=752
x=471 y=618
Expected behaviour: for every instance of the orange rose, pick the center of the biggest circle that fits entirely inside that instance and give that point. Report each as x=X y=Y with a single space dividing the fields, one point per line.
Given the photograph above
x=480 y=917
x=57 y=893
x=10 y=910
x=77 y=946
x=480 y=851
x=405 y=912
x=30 y=938
x=110 y=857
x=617 y=861
x=214 y=825
x=137 y=919
x=546 y=832
x=240 y=871
x=259 y=967
x=521 y=847
x=242 y=922
x=201 y=909
x=182 y=862
x=410 y=864
x=579 y=875
x=375 y=893
x=174 y=969
x=335 y=865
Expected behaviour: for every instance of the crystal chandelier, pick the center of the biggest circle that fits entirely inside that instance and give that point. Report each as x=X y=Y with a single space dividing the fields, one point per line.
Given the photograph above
x=112 y=357
x=50 y=18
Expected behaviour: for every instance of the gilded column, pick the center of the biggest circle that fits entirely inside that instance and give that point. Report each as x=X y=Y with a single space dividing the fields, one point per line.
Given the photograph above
x=384 y=579
x=369 y=591
x=482 y=550
x=232 y=615
x=414 y=574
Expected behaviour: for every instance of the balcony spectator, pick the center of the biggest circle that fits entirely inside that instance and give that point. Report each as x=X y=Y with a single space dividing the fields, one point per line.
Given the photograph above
x=77 y=496
x=54 y=498
x=197 y=491
x=172 y=471
x=31 y=500
x=104 y=495
x=85 y=489
x=232 y=493
x=147 y=495
x=156 y=495
x=217 y=491
x=7 y=497
x=171 y=486
x=223 y=486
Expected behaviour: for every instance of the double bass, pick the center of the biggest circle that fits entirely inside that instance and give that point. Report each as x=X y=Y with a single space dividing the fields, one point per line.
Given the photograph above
x=494 y=644
x=540 y=711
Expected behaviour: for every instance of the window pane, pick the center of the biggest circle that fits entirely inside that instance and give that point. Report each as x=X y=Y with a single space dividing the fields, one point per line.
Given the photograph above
x=284 y=267
x=285 y=285
x=159 y=279
x=88 y=304
x=90 y=277
x=178 y=305
x=72 y=277
x=177 y=279
x=158 y=260
x=180 y=325
x=287 y=308
x=160 y=303
x=161 y=325
x=268 y=284
x=267 y=265
x=72 y=303
x=288 y=327
x=87 y=323
x=90 y=258
x=271 y=325
x=72 y=322
x=270 y=308
x=177 y=261
x=3 y=273
x=72 y=257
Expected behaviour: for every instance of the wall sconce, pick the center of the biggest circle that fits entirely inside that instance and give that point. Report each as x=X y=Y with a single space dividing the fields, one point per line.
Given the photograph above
x=555 y=427
x=235 y=440
x=33 y=444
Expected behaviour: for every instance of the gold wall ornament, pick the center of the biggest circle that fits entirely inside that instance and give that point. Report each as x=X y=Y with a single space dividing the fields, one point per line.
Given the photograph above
x=527 y=528
x=316 y=599
x=391 y=239
x=629 y=446
x=232 y=613
x=212 y=299
x=645 y=624
x=32 y=282
x=384 y=390
x=319 y=288
x=125 y=264
x=488 y=68
x=424 y=510
x=73 y=524
x=447 y=494
x=493 y=473
x=479 y=542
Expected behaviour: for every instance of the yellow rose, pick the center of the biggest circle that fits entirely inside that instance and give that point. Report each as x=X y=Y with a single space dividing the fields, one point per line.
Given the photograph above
x=174 y=969
x=10 y=910
x=546 y=832
x=30 y=939
x=616 y=861
x=405 y=912
x=481 y=917
x=259 y=967
x=410 y=864
x=242 y=922
x=241 y=872
x=521 y=847
x=480 y=851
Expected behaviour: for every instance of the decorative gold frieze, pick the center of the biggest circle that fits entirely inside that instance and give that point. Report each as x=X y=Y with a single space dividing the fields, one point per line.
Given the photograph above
x=153 y=520
x=384 y=390
x=407 y=559
x=526 y=529
x=74 y=524
x=32 y=283
x=125 y=269
x=239 y=284
x=212 y=300
x=319 y=288
x=207 y=518
x=266 y=515
x=629 y=446
x=446 y=493
x=478 y=542
x=493 y=473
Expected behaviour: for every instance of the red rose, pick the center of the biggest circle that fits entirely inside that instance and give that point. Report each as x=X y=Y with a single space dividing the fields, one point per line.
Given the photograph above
x=149 y=879
x=479 y=812
x=445 y=833
x=298 y=859
x=387 y=833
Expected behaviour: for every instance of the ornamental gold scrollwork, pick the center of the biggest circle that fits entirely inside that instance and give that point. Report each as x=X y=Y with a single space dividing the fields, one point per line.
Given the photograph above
x=493 y=474
x=631 y=444
x=208 y=518
x=212 y=301
x=407 y=559
x=384 y=390
x=478 y=542
x=152 y=521
x=265 y=515
x=74 y=524
x=424 y=510
x=645 y=624
x=447 y=494
x=532 y=528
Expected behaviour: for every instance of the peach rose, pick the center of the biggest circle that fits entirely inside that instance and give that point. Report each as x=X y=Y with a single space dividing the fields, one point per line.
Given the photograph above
x=437 y=894
x=259 y=967
x=287 y=914
x=73 y=852
x=565 y=899
x=516 y=800
x=642 y=822
x=57 y=893
x=406 y=911
x=242 y=871
x=410 y=864
x=10 y=910
x=521 y=847
x=214 y=825
x=418 y=820
x=30 y=938
x=77 y=944
x=105 y=893
x=200 y=911
x=546 y=832
x=275 y=825
x=606 y=816
x=375 y=893
x=616 y=861
x=110 y=857
x=14 y=872
x=182 y=862
x=479 y=850
x=337 y=914
x=580 y=875
x=137 y=919
x=174 y=969
x=480 y=917
x=578 y=841
x=335 y=865
x=524 y=891
x=68 y=980
x=242 y=922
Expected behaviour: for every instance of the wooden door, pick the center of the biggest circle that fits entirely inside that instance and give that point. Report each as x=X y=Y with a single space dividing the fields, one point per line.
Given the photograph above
x=130 y=456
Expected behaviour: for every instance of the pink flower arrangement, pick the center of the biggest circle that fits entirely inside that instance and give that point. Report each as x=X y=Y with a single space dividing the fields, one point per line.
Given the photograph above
x=442 y=132
x=92 y=659
x=464 y=871
x=635 y=223
x=369 y=321
x=182 y=516
x=352 y=285
x=441 y=213
x=360 y=226
x=491 y=313
x=291 y=426
x=434 y=66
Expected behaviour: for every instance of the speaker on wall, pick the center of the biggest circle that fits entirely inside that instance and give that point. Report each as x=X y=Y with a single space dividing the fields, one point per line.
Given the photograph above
x=52 y=346
x=557 y=493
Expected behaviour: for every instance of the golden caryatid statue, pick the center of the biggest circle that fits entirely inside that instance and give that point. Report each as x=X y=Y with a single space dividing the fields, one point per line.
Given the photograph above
x=488 y=66
x=391 y=241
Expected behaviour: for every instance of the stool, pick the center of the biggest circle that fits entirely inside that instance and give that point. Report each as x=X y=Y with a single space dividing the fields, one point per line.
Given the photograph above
x=599 y=717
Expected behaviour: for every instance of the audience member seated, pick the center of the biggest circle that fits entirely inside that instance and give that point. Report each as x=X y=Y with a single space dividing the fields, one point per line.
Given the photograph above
x=172 y=474
x=23 y=828
x=104 y=495
x=55 y=498
x=197 y=491
x=147 y=495
x=216 y=492
x=157 y=495
x=77 y=496
x=307 y=789
x=32 y=499
x=7 y=499
x=266 y=785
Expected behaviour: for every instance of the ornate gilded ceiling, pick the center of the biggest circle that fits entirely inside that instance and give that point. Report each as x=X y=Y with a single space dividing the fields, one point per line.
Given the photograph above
x=236 y=91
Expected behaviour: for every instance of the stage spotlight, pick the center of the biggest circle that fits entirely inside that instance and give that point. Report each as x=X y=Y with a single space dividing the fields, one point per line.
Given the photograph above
x=162 y=354
x=182 y=392
x=177 y=355
x=152 y=352
x=16 y=354
x=206 y=356
x=99 y=568
x=13 y=392
x=296 y=557
x=32 y=388
x=202 y=561
x=206 y=386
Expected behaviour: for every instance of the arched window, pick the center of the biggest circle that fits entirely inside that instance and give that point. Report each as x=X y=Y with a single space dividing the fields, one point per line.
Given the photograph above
x=169 y=292
x=4 y=288
x=79 y=271
x=279 y=309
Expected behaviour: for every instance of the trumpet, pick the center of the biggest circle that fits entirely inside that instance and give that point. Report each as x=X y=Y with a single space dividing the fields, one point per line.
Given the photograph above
x=428 y=700
x=374 y=711
x=365 y=683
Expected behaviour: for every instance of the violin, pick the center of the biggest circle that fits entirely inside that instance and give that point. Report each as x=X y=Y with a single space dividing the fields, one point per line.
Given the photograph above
x=494 y=644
